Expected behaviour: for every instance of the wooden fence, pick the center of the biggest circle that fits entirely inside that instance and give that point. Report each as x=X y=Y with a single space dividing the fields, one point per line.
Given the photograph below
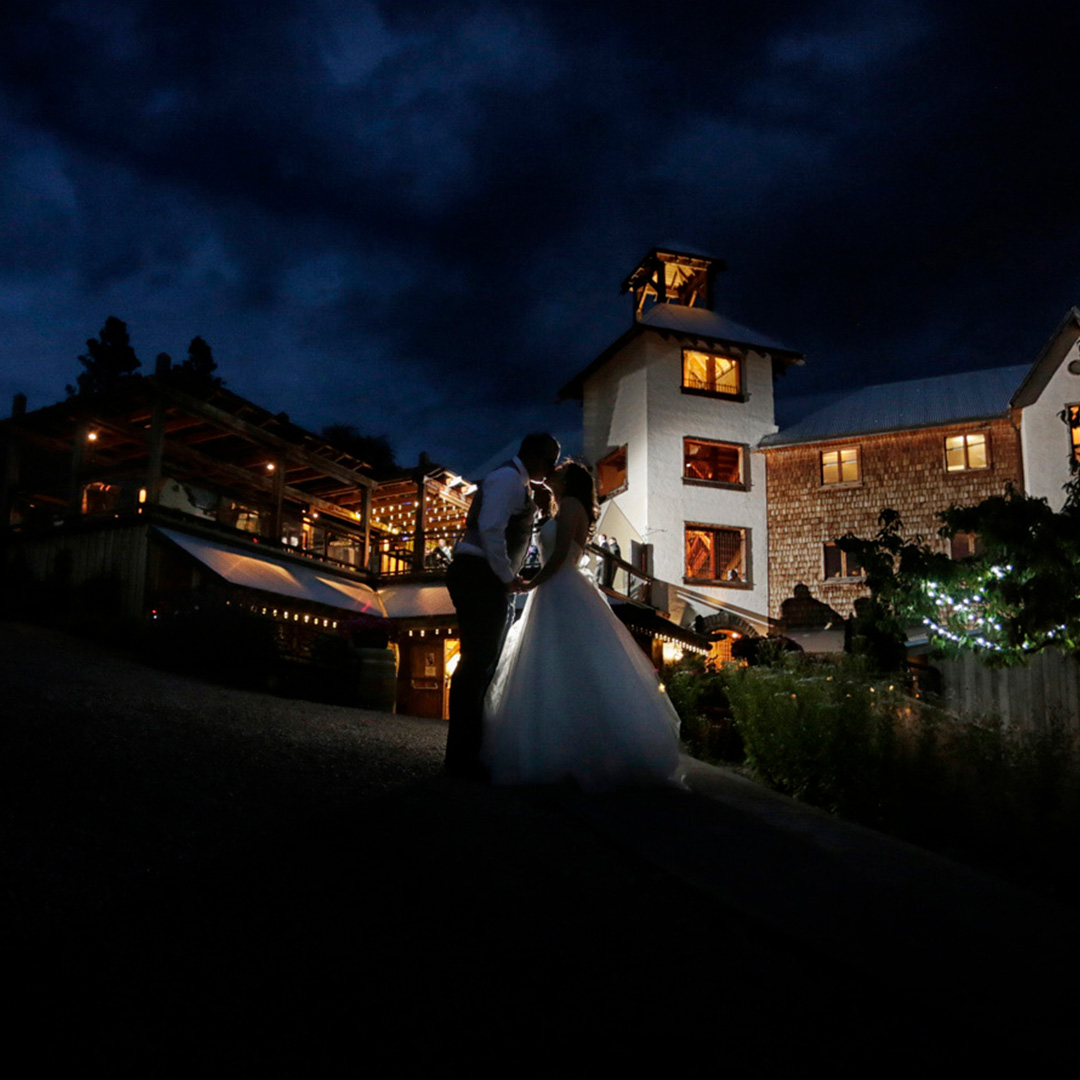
x=1045 y=689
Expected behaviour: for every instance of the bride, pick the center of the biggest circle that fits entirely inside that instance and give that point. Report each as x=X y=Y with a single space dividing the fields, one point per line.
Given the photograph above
x=574 y=697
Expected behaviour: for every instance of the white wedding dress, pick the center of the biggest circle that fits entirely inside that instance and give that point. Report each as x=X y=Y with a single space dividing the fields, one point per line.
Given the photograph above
x=574 y=697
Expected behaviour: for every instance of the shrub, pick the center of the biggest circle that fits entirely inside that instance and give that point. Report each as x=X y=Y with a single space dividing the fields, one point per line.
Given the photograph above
x=836 y=735
x=825 y=732
x=699 y=695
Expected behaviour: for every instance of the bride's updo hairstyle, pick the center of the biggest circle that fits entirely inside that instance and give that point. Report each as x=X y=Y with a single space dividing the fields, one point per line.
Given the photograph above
x=578 y=482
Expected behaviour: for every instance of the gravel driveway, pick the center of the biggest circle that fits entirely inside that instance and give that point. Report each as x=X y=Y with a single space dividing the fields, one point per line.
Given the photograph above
x=207 y=880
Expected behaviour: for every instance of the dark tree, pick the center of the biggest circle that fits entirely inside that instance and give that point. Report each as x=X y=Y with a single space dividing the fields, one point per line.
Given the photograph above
x=374 y=450
x=108 y=360
x=200 y=363
x=196 y=374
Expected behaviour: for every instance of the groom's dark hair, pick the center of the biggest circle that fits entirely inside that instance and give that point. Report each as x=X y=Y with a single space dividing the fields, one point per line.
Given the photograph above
x=537 y=445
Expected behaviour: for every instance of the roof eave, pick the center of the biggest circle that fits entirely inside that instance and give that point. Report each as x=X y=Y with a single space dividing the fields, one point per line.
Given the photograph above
x=1034 y=382
x=893 y=430
x=574 y=389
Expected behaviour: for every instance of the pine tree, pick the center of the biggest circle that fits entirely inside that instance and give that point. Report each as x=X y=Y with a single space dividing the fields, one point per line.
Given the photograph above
x=200 y=364
x=108 y=360
x=196 y=374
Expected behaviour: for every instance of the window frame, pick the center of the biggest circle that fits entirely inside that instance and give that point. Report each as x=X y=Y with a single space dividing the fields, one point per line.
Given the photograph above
x=744 y=582
x=1072 y=419
x=742 y=484
x=971 y=541
x=967 y=467
x=839 y=451
x=609 y=457
x=845 y=574
x=739 y=394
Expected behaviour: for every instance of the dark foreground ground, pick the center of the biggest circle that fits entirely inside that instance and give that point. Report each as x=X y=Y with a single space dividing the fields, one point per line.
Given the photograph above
x=207 y=880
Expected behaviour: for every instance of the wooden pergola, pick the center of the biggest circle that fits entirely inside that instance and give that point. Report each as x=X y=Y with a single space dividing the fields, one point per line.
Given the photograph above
x=103 y=454
x=417 y=518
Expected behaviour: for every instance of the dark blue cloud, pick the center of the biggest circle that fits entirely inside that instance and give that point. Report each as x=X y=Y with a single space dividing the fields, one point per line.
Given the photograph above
x=414 y=216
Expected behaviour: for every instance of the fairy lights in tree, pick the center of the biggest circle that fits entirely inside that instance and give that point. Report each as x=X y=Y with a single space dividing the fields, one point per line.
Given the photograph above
x=1021 y=595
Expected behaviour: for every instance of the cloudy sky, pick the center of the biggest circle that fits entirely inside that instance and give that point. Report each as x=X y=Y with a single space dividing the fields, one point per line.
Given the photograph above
x=414 y=215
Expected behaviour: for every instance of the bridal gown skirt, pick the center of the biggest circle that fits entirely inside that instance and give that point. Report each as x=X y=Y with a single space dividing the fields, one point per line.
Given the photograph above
x=574 y=697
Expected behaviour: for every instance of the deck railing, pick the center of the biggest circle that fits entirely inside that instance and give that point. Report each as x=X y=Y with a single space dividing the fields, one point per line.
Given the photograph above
x=616 y=576
x=394 y=557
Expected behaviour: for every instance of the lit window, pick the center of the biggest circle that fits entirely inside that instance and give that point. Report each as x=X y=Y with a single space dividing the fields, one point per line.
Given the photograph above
x=239 y=516
x=963 y=545
x=964 y=452
x=1074 y=431
x=100 y=498
x=840 y=466
x=840 y=564
x=715 y=555
x=711 y=373
x=611 y=473
x=719 y=463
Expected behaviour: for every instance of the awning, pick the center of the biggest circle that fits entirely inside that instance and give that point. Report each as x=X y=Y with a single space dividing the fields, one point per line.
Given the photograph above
x=267 y=574
x=647 y=621
x=412 y=600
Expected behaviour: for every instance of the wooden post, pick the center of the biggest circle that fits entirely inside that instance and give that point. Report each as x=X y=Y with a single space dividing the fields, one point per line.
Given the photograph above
x=9 y=453
x=277 y=521
x=77 y=454
x=365 y=515
x=419 y=541
x=155 y=454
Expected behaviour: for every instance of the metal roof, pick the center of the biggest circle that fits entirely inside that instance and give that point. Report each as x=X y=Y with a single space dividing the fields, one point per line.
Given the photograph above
x=695 y=326
x=943 y=399
x=700 y=322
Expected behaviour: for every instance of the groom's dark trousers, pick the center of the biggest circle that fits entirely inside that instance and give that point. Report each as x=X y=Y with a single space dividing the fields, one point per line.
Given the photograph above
x=484 y=611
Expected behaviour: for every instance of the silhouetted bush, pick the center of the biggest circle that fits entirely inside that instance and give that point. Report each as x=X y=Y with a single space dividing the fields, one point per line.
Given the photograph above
x=839 y=736
x=699 y=695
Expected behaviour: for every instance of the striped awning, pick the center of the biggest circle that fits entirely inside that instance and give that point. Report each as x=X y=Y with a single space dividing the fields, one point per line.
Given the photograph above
x=267 y=574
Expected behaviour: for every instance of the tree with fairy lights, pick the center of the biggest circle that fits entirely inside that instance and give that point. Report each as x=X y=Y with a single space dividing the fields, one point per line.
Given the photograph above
x=1018 y=595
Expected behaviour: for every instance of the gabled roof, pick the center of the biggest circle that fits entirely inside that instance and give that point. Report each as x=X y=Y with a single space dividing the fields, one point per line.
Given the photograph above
x=1046 y=363
x=943 y=399
x=692 y=325
x=702 y=323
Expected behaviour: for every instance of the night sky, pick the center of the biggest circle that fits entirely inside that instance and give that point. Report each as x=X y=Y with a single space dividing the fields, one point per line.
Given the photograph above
x=414 y=216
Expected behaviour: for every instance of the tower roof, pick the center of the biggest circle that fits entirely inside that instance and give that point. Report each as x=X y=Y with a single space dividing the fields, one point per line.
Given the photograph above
x=668 y=276
x=695 y=328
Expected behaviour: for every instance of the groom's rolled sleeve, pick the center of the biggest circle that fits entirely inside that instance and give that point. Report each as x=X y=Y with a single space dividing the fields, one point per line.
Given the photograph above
x=503 y=494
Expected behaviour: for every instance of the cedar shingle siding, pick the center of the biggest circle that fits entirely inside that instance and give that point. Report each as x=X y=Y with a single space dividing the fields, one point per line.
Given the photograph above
x=904 y=471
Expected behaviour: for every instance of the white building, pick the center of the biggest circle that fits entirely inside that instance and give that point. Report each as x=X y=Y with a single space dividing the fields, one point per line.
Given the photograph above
x=1051 y=388
x=672 y=411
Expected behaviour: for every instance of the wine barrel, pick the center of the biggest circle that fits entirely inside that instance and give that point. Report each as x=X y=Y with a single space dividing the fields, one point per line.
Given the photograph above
x=376 y=686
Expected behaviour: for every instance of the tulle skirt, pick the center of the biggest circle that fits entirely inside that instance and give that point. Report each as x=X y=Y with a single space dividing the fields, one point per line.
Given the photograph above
x=575 y=698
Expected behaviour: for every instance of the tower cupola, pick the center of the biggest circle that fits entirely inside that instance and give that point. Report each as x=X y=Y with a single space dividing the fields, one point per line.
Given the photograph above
x=666 y=276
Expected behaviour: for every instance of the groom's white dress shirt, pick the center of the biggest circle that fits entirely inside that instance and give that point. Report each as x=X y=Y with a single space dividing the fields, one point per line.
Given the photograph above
x=505 y=493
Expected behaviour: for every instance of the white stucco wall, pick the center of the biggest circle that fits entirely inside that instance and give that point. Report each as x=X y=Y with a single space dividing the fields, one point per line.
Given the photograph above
x=615 y=414
x=1044 y=439
x=673 y=415
x=636 y=399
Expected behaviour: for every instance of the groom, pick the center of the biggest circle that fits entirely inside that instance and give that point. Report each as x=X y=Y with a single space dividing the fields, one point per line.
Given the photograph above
x=482 y=580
